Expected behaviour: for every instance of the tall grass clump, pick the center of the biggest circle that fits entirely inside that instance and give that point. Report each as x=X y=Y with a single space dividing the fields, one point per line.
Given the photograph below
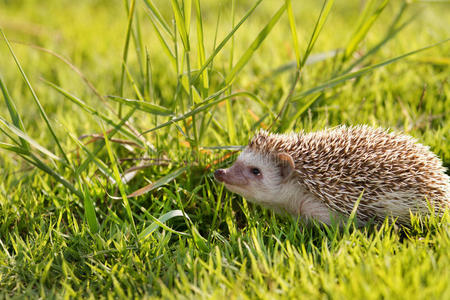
x=110 y=129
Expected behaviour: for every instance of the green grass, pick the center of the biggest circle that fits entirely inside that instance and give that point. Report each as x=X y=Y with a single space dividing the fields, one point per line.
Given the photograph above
x=114 y=114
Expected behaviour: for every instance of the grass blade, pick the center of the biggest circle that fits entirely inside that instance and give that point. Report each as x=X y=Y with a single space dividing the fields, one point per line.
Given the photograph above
x=143 y=106
x=164 y=45
x=226 y=39
x=335 y=81
x=201 y=48
x=160 y=182
x=352 y=218
x=88 y=160
x=254 y=46
x=89 y=209
x=325 y=11
x=100 y=164
x=94 y=112
x=119 y=182
x=290 y=123
x=155 y=12
x=126 y=47
x=29 y=140
x=180 y=22
x=139 y=47
x=160 y=223
x=326 y=8
x=394 y=29
x=197 y=110
x=364 y=24
x=288 y=4
x=36 y=99
x=15 y=117
x=14 y=148
x=230 y=117
x=187 y=8
x=35 y=161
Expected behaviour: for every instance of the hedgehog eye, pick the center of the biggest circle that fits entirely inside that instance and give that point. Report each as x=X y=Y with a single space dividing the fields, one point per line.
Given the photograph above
x=255 y=171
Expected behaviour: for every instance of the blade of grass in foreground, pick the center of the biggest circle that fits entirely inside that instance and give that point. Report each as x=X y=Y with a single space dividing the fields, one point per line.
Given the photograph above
x=352 y=218
x=100 y=164
x=35 y=161
x=335 y=81
x=160 y=223
x=160 y=182
x=35 y=97
x=291 y=122
x=393 y=30
x=14 y=148
x=200 y=242
x=15 y=117
x=29 y=140
x=164 y=44
x=119 y=180
x=67 y=62
x=89 y=209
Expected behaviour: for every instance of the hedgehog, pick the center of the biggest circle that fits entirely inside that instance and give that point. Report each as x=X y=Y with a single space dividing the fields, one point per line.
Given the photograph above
x=322 y=175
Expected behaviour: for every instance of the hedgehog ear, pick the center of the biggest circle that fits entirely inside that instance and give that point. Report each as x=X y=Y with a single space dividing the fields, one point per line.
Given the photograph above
x=286 y=163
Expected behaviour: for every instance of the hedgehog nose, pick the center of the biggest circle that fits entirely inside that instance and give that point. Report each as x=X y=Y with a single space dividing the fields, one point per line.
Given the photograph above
x=219 y=174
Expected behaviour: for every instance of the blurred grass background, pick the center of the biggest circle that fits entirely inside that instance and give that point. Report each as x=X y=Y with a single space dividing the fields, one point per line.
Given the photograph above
x=57 y=243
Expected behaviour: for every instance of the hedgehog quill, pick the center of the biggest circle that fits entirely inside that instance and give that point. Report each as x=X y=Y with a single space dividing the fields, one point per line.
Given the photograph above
x=321 y=175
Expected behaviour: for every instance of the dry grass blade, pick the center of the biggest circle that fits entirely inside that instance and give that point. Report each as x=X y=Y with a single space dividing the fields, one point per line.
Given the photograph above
x=160 y=182
x=97 y=137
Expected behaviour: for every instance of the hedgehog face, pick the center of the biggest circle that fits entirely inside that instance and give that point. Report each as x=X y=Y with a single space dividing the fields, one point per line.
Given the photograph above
x=257 y=177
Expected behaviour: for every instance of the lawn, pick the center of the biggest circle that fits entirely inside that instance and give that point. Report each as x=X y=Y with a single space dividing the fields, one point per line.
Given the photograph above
x=114 y=114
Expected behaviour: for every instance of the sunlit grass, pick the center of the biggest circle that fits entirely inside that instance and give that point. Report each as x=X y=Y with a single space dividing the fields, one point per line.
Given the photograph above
x=112 y=121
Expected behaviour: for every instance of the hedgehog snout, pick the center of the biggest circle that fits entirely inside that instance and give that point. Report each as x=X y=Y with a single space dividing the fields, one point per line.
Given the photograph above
x=219 y=175
x=234 y=175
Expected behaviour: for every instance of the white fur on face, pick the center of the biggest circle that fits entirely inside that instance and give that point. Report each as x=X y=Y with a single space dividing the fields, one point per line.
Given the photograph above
x=272 y=190
x=263 y=189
